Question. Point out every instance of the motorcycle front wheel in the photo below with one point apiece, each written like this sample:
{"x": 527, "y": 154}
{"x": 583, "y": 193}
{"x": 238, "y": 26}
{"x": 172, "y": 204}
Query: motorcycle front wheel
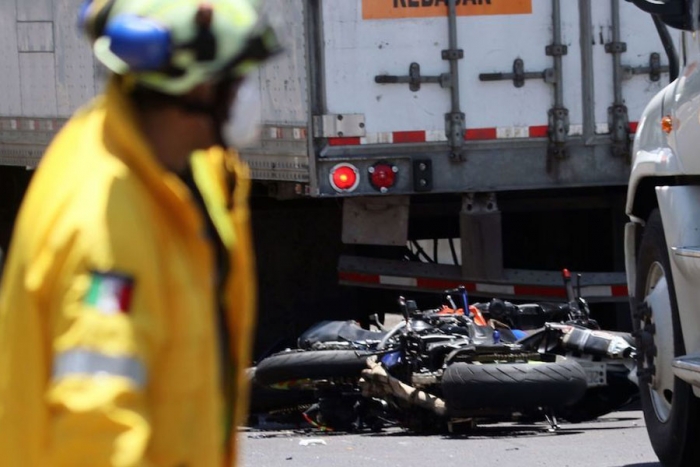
{"x": 470, "y": 387}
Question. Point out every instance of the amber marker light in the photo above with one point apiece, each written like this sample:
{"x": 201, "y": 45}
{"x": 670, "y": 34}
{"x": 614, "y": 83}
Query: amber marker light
{"x": 667, "y": 124}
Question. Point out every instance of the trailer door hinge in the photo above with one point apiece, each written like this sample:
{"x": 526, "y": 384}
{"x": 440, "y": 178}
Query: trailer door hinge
{"x": 558, "y": 131}
{"x": 455, "y": 126}
{"x": 616, "y": 47}
{"x": 452, "y": 54}
{"x": 340, "y": 125}
{"x": 556, "y": 50}
{"x": 618, "y": 121}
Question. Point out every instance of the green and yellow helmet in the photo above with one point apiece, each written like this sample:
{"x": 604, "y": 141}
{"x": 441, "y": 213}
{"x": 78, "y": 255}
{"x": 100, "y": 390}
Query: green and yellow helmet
{"x": 171, "y": 46}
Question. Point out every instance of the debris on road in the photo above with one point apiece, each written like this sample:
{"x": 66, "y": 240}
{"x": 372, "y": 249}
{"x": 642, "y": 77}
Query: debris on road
{"x": 312, "y": 442}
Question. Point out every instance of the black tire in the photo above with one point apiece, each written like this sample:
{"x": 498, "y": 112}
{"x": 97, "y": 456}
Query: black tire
{"x": 267, "y": 399}
{"x": 294, "y": 365}
{"x": 512, "y": 386}
{"x": 671, "y": 411}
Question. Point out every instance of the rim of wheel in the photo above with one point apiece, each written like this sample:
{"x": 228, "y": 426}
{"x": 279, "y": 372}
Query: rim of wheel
{"x": 657, "y": 296}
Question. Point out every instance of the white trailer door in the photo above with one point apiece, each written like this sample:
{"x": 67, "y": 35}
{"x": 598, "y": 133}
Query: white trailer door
{"x": 367, "y": 38}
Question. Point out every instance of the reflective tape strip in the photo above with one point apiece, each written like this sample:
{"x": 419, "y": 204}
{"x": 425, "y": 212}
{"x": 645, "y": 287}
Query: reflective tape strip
{"x": 90, "y": 363}
{"x": 496, "y": 289}
{"x": 575, "y": 130}
{"x": 602, "y": 128}
{"x": 395, "y": 280}
{"x": 525, "y": 290}
{"x": 490, "y": 133}
{"x": 31, "y": 124}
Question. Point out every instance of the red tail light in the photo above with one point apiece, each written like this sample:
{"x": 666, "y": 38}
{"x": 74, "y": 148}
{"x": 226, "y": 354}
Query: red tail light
{"x": 344, "y": 177}
{"x": 382, "y": 176}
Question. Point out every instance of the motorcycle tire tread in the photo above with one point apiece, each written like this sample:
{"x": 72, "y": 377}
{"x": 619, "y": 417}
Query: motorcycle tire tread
{"x": 468, "y": 386}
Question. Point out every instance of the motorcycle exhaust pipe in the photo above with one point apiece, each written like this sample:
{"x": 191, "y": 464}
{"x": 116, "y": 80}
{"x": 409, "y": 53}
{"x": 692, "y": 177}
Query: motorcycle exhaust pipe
{"x": 597, "y": 343}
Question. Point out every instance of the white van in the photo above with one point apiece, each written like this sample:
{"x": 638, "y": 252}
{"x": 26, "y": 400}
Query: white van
{"x": 662, "y": 247}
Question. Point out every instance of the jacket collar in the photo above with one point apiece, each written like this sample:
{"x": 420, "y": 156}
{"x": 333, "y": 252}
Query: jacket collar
{"x": 125, "y": 141}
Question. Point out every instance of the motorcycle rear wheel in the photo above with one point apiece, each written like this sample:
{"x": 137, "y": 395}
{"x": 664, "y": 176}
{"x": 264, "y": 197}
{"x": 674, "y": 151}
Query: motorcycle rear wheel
{"x": 267, "y": 399}
{"x": 469, "y": 387}
{"x": 296, "y": 365}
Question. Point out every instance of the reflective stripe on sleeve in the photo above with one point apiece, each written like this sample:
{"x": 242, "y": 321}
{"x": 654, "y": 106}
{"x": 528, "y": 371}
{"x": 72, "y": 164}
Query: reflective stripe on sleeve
{"x": 95, "y": 364}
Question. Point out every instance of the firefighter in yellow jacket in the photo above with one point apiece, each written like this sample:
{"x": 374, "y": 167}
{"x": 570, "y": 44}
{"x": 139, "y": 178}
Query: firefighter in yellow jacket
{"x": 126, "y": 307}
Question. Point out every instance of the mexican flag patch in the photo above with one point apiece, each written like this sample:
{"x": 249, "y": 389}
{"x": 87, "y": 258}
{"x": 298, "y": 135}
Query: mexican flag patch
{"x": 110, "y": 293}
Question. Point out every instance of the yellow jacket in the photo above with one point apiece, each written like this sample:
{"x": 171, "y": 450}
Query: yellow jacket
{"x": 109, "y": 346}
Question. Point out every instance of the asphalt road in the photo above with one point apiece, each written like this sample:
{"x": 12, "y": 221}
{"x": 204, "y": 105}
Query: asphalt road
{"x": 615, "y": 440}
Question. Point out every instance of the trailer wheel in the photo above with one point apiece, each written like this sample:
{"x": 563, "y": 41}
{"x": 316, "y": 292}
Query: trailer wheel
{"x": 671, "y": 411}
{"x": 498, "y": 386}
{"x": 294, "y": 365}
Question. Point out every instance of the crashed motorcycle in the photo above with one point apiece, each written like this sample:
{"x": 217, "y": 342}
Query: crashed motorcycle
{"x": 456, "y": 366}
